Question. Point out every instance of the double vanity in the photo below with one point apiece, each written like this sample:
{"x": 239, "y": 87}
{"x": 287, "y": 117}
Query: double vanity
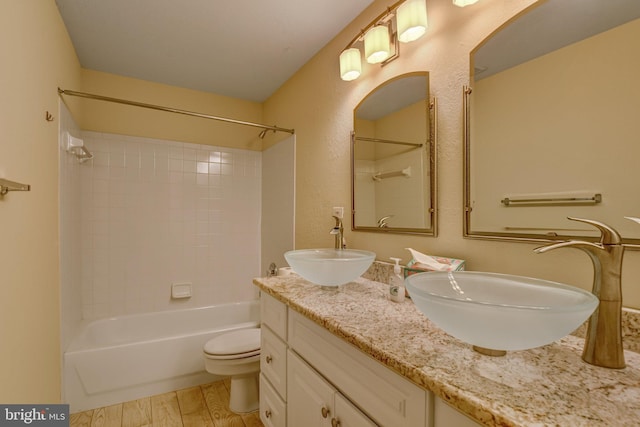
{"x": 349, "y": 356}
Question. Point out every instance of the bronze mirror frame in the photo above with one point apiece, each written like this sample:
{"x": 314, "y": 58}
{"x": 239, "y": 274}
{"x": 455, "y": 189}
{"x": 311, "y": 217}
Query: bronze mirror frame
{"x": 530, "y": 234}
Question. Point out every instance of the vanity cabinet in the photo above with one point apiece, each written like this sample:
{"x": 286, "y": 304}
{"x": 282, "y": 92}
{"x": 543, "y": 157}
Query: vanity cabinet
{"x": 310, "y": 377}
{"x": 386, "y": 397}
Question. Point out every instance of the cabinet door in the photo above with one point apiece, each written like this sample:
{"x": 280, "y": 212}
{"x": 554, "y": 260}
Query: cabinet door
{"x": 310, "y": 397}
{"x": 273, "y": 410}
{"x": 445, "y": 415}
{"x": 348, "y": 415}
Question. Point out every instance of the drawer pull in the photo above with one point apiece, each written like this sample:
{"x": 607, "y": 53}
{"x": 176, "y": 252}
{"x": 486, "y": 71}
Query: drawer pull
{"x": 268, "y": 359}
{"x": 325, "y": 412}
{"x": 335, "y": 422}
{"x": 267, "y": 413}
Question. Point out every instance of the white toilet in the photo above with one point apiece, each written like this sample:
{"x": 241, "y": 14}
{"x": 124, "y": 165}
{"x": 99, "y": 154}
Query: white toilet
{"x": 237, "y": 354}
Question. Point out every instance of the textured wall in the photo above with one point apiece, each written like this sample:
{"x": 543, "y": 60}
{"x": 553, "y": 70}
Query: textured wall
{"x": 320, "y": 107}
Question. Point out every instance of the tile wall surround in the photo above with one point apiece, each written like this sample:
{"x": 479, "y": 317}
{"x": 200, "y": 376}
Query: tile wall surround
{"x": 155, "y": 212}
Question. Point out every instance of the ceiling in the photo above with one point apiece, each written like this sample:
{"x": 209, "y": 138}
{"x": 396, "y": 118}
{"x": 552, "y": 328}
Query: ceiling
{"x": 244, "y": 49}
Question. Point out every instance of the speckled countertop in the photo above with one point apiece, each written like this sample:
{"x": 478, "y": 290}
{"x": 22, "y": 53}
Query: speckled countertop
{"x": 550, "y": 385}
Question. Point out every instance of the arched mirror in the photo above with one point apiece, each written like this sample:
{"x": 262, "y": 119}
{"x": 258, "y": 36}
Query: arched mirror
{"x": 551, "y": 123}
{"x": 393, "y": 158}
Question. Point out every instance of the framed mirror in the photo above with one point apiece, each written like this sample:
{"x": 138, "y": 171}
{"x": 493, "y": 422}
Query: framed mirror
{"x": 550, "y": 123}
{"x": 393, "y": 158}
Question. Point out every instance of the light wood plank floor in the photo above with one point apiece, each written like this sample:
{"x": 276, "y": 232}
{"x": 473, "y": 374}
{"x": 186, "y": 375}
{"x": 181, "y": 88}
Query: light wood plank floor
{"x": 202, "y": 406}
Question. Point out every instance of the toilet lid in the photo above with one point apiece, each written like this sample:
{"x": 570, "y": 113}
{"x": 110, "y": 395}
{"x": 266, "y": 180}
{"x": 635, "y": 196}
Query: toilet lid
{"x": 237, "y": 342}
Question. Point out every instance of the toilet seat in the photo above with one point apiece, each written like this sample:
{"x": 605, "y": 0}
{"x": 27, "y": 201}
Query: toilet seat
{"x": 238, "y": 344}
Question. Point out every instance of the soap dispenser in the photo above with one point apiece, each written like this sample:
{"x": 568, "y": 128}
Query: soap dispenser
{"x": 396, "y": 282}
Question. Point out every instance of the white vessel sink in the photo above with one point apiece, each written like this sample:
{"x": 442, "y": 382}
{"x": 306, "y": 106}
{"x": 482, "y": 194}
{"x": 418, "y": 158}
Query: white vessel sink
{"x": 498, "y": 311}
{"x": 329, "y": 267}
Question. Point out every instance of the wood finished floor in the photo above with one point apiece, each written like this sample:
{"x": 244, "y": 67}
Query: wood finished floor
{"x": 203, "y": 406}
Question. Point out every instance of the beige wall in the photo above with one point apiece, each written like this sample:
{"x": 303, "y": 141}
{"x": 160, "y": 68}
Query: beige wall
{"x": 319, "y": 106}
{"x": 103, "y": 116}
{"x": 37, "y": 57}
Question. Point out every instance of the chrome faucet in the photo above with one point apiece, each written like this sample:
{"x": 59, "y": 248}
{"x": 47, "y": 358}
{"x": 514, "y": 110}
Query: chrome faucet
{"x": 603, "y": 343}
{"x": 338, "y": 231}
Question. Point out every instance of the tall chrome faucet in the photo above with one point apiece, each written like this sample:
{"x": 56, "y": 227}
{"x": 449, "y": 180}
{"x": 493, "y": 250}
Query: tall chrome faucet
{"x": 338, "y": 231}
{"x": 603, "y": 344}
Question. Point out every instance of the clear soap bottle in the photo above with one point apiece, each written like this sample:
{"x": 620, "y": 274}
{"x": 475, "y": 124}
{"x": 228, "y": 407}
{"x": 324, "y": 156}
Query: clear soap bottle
{"x": 396, "y": 282}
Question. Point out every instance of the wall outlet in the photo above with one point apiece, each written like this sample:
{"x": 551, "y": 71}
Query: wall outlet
{"x": 338, "y": 212}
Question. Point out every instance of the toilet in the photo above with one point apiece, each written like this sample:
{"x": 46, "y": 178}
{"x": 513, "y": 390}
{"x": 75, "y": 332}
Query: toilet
{"x": 237, "y": 354}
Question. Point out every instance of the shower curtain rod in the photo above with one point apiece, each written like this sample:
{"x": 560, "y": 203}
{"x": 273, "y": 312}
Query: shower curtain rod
{"x": 175, "y": 110}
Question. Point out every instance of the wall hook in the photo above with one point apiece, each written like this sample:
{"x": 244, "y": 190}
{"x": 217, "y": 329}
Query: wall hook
{"x": 48, "y": 116}
{"x": 6, "y": 186}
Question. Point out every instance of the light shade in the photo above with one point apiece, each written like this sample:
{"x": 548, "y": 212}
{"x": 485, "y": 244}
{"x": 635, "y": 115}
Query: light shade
{"x": 350, "y": 64}
{"x": 411, "y": 18}
{"x": 463, "y": 3}
{"x": 376, "y": 44}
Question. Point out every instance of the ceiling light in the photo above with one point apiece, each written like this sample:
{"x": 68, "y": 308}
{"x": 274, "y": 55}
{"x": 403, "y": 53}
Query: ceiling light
{"x": 376, "y": 44}
{"x": 350, "y": 65}
{"x": 463, "y": 3}
{"x": 380, "y": 35}
{"x": 411, "y": 19}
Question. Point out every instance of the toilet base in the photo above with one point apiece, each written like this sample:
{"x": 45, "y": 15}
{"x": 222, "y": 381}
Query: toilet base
{"x": 244, "y": 394}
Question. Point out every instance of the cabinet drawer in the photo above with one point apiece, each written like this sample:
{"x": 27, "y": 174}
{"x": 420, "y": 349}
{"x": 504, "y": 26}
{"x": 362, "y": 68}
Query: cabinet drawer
{"x": 273, "y": 313}
{"x": 382, "y": 394}
{"x": 273, "y": 360}
{"x": 273, "y": 411}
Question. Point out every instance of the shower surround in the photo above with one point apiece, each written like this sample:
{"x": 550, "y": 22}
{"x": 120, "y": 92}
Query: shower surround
{"x": 146, "y": 213}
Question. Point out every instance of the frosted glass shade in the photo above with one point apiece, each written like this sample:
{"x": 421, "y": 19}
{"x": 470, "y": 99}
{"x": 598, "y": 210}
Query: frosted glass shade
{"x": 411, "y": 18}
{"x": 330, "y": 267}
{"x": 463, "y": 3}
{"x": 350, "y": 65}
{"x": 500, "y": 311}
{"x": 376, "y": 44}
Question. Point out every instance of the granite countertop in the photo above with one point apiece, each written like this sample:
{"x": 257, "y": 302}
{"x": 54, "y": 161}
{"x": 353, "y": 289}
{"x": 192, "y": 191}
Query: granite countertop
{"x": 549, "y": 385}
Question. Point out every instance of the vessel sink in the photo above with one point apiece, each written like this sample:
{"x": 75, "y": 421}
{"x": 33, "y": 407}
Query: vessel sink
{"x": 329, "y": 267}
{"x": 497, "y": 311}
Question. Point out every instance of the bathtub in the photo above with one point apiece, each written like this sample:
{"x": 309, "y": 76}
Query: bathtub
{"x": 125, "y": 358}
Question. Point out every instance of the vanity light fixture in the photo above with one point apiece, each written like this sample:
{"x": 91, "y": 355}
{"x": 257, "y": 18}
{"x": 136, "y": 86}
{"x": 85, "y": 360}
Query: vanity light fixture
{"x": 350, "y": 65}
{"x": 463, "y": 3}
{"x": 380, "y": 38}
{"x": 376, "y": 44}
{"x": 411, "y": 19}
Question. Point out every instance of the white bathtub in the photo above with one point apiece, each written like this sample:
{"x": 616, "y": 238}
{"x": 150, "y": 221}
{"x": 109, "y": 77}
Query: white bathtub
{"x": 125, "y": 358}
